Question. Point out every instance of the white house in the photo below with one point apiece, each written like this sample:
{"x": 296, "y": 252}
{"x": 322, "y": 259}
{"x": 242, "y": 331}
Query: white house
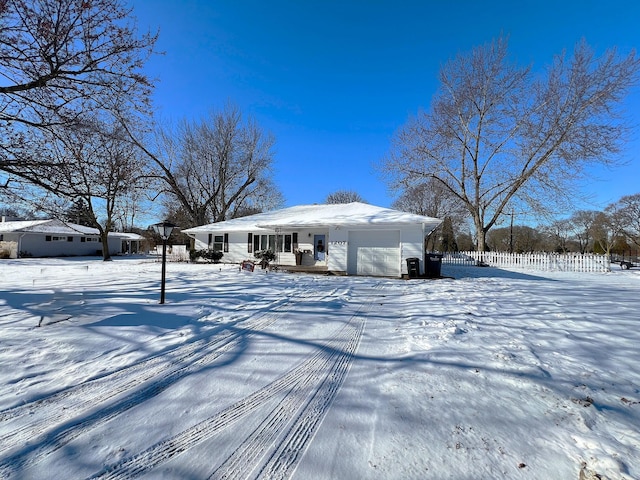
{"x": 54, "y": 238}
{"x": 353, "y": 238}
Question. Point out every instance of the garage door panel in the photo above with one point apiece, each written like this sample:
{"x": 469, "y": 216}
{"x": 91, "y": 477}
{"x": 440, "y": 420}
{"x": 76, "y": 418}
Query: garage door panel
{"x": 374, "y": 252}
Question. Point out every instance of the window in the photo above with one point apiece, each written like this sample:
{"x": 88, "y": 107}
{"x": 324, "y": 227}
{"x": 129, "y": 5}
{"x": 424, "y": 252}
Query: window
{"x": 50, "y": 238}
{"x": 218, "y": 241}
{"x": 276, "y": 243}
{"x": 283, "y": 243}
{"x": 69, "y": 239}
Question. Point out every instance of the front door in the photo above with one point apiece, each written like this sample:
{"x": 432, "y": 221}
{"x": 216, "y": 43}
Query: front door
{"x": 319, "y": 247}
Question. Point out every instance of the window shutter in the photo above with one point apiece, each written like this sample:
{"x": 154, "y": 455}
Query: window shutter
{"x": 225, "y": 246}
{"x": 250, "y": 243}
{"x": 82, "y": 239}
{"x": 69, "y": 239}
{"x": 47, "y": 238}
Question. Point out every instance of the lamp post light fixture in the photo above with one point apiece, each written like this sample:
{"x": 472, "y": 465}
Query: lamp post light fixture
{"x": 163, "y": 229}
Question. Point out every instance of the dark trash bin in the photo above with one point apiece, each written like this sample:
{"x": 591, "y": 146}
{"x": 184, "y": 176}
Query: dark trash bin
{"x": 433, "y": 265}
{"x": 413, "y": 267}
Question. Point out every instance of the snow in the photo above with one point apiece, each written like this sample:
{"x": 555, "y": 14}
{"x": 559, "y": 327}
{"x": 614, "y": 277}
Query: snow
{"x": 336, "y": 215}
{"x": 54, "y": 226}
{"x": 489, "y": 374}
{"x": 20, "y": 225}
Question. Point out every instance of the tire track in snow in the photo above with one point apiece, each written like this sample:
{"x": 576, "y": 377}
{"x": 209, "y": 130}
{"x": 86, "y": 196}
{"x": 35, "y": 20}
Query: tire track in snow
{"x": 59, "y": 437}
{"x": 110, "y": 384}
{"x": 58, "y": 408}
{"x": 128, "y": 377}
{"x": 284, "y": 461}
{"x": 301, "y": 411}
{"x": 338, "y": 351}
{"x": 39, "y": 448}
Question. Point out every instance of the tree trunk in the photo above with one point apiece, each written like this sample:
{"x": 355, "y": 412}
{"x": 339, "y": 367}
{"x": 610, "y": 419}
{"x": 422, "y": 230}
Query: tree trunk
{"x": 106, "y": 255}
{"x": 481, "y": 234}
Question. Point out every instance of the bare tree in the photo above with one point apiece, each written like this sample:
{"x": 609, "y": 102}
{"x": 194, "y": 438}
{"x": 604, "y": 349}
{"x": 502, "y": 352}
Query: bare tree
{"x": 519, "y": 239}
{"x": 582, "y": 223}
{"x": 625, "y": 214}
{"x": 604, "y": 232}
{"x": 216, "y": 168}
{"x": 559, "y": 233}
{"x": 60, "y": 59}
{"x": 498, "y": 239}
{"x": 431, "y": 199}
{"x": 496, "y": 135}
{"x": 344, "y": 196}
{"x": 91, "y": 166}
{"x": 448, "y": 236}
{"x": 133, "y": 203}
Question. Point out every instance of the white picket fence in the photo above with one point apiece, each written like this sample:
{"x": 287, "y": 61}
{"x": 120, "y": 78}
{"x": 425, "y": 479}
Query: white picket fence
{"x": 565, "y": 262}
{"x": 175, "y": 253}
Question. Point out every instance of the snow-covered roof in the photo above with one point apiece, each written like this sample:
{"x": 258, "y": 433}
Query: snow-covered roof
{"x": 127, "y": 235}
{"x": 302, "y": 216}
{"x": 58, "y": 227}
{"x": 21, "y": 225}
{"x": 46, "y": 226}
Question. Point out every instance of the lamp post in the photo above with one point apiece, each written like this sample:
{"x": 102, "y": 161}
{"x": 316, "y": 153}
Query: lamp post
{"x": 164, "y": 230}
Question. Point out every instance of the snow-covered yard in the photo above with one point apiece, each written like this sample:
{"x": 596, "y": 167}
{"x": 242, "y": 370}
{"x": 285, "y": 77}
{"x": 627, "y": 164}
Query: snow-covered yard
{"x": 491, "y": 374}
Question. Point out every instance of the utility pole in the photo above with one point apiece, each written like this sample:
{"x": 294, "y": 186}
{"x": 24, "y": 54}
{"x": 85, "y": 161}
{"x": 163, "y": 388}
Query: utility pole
{"x": 511, "y": 233}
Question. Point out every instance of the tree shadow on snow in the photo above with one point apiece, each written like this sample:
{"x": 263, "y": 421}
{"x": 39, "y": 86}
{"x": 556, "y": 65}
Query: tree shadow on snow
{"x": 459, "y": 272}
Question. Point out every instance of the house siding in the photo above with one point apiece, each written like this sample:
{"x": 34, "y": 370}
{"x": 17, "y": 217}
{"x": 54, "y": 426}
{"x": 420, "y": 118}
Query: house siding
{"x": 411, "y": 246}
{"x": 38, "y": 246}
{"x": 338, "y": 243}
{"x": 238, "y": 245}
{"x": 382, "y": 238}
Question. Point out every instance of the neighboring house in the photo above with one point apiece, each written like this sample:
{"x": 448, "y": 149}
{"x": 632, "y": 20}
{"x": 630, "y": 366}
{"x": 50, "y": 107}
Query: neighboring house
{"x": 54, "y": 238}
{"x": 131, "y": 242}
{"x": 352, "y": 238}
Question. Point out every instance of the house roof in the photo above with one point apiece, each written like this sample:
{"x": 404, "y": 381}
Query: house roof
{"x": 21, "y": 226}
{"x": 45, "y": 226}
{"x": 346, "y": 214}
{"x": 127, "y": 235}
{"x": 55, "y": 226}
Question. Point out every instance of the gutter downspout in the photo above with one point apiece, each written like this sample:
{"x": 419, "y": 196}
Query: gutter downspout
{"x": 20, "y": 244}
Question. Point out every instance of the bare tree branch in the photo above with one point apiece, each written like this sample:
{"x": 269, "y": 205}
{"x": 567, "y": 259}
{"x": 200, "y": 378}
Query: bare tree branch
{"x": 496, "y": 134}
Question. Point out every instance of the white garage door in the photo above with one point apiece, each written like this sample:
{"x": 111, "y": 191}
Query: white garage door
{"x": 374, "y": 252}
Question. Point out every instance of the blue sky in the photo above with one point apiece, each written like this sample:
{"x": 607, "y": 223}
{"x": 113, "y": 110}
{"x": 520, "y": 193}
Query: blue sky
{"x": 333, "y": 80}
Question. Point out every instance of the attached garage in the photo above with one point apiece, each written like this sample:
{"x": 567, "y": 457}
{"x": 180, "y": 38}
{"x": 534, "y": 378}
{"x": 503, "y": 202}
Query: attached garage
{"x": 374, "y": 253}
